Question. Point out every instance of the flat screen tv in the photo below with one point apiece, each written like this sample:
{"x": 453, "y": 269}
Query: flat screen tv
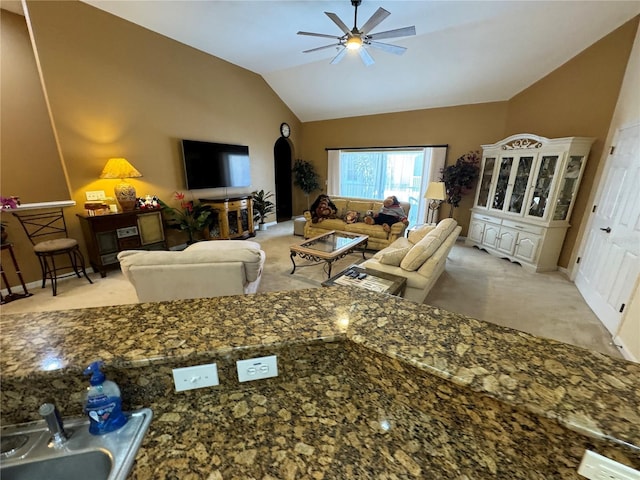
{"x": 214, "y": 165}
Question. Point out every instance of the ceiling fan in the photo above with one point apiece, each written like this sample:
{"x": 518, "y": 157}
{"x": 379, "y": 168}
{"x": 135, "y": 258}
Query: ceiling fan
{"x": 358, "y": 39}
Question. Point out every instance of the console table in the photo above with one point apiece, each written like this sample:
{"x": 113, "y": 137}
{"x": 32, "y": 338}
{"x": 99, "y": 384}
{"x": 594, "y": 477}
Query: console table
{"x": 232, "y": 217}
{"x": 109, "y": 234}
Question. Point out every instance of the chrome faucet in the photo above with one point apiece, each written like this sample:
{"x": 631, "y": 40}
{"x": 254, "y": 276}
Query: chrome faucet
{"x": 50, "y": 413}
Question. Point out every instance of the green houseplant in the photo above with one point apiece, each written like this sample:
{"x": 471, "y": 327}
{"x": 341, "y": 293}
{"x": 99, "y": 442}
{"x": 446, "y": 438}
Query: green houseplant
{"x": 192, "y": 216}
{"x": 305, "y": 177}
{"x": 460, "y": 177}
{"x": 262, "y": 206}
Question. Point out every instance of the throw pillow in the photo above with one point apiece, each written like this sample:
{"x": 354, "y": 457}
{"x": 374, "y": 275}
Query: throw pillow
{"x": 419, "y": 233}
{"x": 420, "y": 252}
{"x": 394, "y": 253}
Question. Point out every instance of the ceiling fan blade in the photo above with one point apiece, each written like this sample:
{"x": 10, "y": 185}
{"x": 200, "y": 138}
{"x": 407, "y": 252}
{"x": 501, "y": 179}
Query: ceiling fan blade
{"x": 339, "y": 56}
{"x": 375, "y": 20}
{"x": 338, "y": 22}
{"x": 398, "y": 32}
{"x": 323, "y": 35}
{"x": 321, "y": 48}
{"x": 387, "y": 47}
{"x": 367, "y": 59}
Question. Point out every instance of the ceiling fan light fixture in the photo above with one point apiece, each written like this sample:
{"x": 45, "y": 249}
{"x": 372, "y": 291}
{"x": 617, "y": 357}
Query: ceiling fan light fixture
{"x": 354, "y": 43}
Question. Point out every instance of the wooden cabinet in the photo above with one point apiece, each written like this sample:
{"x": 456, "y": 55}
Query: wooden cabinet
{"x": 107, "y": 235}
{"x": 525, "y": 197}
{"x": 232, "y": 217}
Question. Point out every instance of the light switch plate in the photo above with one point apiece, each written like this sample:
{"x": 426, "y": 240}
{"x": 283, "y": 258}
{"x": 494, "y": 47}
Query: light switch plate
{"x": 596, "y": 467}
{"x": 95, "y": 195}
{"x": 200, "y": 376}
{"x": 257, "y": 368}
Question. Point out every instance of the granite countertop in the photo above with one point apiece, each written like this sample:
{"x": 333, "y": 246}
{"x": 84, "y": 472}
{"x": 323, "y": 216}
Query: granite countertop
{"x": 583, "y": 391}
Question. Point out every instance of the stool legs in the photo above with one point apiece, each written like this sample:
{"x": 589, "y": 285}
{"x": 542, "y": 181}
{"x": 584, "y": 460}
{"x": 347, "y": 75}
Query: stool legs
{"x": 50, "y": 271}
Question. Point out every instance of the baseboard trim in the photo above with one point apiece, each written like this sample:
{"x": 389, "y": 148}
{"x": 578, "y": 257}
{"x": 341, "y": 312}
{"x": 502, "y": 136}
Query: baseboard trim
{"x": 620, "y": 345}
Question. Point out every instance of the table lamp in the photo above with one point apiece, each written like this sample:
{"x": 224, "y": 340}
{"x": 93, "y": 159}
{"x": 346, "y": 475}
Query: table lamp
{"x": 125, "y": 192}
{"x": 437, "y": 193}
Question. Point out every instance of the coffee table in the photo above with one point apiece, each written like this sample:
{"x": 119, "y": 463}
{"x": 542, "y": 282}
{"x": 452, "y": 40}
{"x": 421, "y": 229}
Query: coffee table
{"x": 328, "y": 248}
{"x": 375, "y": 281}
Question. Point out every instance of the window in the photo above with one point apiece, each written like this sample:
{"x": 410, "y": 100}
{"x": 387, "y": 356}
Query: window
{"x": 379, "y": 173}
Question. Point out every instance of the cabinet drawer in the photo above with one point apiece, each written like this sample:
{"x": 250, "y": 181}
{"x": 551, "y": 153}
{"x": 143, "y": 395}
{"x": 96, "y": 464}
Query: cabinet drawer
{"x": 127, "y": 232}
{"x": 109, "y": 258}
{"x": 487, "y": 218}
{"x": 523, "y": 227}
{"x": 129, "y": 243}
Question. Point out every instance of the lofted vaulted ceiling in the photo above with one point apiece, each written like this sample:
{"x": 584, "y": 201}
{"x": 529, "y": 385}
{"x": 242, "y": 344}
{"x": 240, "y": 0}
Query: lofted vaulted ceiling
{"x": 464, "y": 52}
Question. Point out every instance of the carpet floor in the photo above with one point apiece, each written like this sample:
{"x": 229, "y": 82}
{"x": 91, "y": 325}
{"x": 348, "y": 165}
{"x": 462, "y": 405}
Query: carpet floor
{"x": 475, "y": 284}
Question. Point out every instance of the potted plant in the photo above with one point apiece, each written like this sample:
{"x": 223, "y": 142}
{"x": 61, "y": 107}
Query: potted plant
{"x": 306, "y": 177}
{"x": 460, "y": 177}
{"x": 262, "y": 207}
{"x": 192, "y": 216}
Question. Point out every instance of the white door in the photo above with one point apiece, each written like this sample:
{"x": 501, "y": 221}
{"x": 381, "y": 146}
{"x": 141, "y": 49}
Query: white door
{"x": 610, "y": 263}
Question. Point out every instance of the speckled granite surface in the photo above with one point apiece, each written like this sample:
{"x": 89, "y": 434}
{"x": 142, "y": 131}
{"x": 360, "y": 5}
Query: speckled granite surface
{"x": 369, "y": 387}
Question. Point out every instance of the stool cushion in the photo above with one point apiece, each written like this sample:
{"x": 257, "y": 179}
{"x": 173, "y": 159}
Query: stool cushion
{"x": 55, "y": 245}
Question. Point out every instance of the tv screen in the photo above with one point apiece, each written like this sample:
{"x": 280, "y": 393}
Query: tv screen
{"x": 214, "y": 165}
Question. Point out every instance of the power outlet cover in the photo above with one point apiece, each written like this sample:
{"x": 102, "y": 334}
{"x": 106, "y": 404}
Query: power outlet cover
{"x": 200, "y": 376}
{"x": 596, "y": 467}
{"x": 257, "y": 368}
{"x": 95, "y": 195}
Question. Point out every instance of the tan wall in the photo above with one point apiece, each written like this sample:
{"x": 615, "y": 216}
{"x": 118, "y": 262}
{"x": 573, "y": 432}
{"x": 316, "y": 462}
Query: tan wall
{"x": 577, "y": 99}
{"x": 463, "y": 128}
{"x": 120, "y": 90}
{"x": 30, "y": 164}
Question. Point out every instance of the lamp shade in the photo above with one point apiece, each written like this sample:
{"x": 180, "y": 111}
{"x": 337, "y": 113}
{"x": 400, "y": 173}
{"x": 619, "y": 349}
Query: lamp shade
{"x": 125, "y": 192}
{"x": 119, "y": 168}
{"x": 436, "y": 191}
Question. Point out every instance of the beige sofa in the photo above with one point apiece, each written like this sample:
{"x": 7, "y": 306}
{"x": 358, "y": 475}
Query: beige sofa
{"x": 420, "y": 258}
{"x": 202, "y": 270}
{"x": 378, "y": 238}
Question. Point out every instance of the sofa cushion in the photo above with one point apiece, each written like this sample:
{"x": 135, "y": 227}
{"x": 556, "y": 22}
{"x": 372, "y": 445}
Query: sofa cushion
{"x": 360, "y": 205}
{"x": 426, "y": 247}
{"x": 419, "y": 233}
{"x": 374, "y": 231}
{"x": 331, "y": 224}
{"x": 394, "y": 253}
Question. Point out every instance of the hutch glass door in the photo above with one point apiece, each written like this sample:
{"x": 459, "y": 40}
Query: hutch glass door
{"x": 502, "y": 183}
{"x": 568, "y": 187}
{"x": 485, "y": 182}
{"x": 542, "y": 187}
{"x": 520, "y": 182}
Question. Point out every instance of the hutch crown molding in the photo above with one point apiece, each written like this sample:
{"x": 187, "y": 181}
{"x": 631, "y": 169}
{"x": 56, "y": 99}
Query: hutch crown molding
{"x": 525, "y": 197}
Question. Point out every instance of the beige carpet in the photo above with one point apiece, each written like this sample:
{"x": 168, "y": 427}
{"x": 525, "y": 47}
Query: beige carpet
{"x": 474, "y": 283}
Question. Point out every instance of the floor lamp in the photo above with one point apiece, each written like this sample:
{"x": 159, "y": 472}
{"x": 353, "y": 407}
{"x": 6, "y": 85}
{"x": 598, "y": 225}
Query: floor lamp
{"x": 437, "y": 193}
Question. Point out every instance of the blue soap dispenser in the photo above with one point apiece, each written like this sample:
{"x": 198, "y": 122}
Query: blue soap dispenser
{"x": 103, "y": 403}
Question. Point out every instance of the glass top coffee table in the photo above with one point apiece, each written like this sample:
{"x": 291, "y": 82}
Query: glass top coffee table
{"x": 328, "y": 248}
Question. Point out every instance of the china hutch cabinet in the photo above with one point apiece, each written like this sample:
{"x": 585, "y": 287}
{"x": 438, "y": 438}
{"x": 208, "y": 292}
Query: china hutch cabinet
{"x": 525, "y": 196}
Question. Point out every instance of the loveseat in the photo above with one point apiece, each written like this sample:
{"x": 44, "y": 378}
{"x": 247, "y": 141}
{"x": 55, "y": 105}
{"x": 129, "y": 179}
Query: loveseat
{"x": 378, "y": 238}
{"x": 202, "y": 270}
{"x": 420, "y": 258}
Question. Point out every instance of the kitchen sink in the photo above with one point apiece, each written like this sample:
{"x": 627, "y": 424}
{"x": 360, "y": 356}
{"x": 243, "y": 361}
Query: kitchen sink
{"x": 27, "y": 450}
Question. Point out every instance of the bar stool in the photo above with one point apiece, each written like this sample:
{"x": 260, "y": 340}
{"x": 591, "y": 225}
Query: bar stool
{"x": 47, "y": 232}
